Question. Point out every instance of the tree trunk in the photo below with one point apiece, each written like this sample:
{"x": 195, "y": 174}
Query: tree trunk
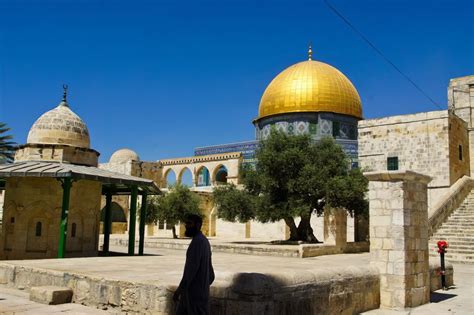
{"x": 173, "y": 229}
{"x": 290, "y": 222}
{"x": 305, "y": 231}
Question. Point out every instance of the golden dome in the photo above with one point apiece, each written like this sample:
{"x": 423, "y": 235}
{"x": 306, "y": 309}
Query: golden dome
{"x": 124, "y": 155}
{"x": 310, "y": 86}
{"x": 60, "y": 126}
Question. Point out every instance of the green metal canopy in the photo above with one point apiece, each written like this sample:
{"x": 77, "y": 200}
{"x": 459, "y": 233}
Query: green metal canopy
{"x": 112, "y": 184}
{"x": 111, "y": 181}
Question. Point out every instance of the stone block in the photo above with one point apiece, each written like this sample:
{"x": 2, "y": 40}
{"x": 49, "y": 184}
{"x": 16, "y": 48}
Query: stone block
{"x": 51, "y": 295}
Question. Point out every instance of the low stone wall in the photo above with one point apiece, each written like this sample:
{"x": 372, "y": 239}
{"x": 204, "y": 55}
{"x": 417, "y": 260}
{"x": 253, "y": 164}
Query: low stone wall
{"x": 448, "y": 203}
{"x": 341, "y": 291}
{"x": 313, "y": 250}
{"x": 347, "y": 290}
{"x": 435, "y": 276}
{"x": 254, "y": 248}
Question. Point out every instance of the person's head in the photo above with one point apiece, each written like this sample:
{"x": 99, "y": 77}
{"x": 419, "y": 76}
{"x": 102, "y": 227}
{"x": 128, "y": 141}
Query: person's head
{"x": 193, "y": 225}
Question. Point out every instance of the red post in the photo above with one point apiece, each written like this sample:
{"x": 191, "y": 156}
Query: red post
{"x": 442, "y": 249}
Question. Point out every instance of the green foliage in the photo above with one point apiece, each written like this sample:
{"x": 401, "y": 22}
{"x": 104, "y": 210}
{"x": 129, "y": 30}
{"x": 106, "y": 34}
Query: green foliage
{"x": 293, "y": 177}
{"x": 234, "y": 204}
{"x": 152, "y": 210}
{"x": 177, "y": 204}
{"x": 7, "y": 147}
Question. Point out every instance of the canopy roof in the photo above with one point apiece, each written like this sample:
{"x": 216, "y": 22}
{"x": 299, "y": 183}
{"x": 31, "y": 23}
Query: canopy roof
{"x": 113, "y": 182}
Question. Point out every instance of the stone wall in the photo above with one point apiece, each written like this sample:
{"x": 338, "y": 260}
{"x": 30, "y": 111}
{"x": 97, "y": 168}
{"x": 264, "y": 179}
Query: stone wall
{"x": 32, "y": 216}
{"x": 56, "y": 152}
{"x": 461, "y": 101}
{"x": 425, "y": 142}
{"x": 459, "y": 151}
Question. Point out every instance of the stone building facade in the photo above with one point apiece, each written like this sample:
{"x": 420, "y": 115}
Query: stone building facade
{"x": 32, "y": 206}
{"x": 126, "y": 161}
{"x": 52, "y": 191}
{"x": 32, "y": 213}
{"x": 461, "y": 102}
{"x": 432, "y": 143}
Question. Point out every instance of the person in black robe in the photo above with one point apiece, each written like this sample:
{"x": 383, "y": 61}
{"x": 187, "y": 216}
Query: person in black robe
{"x": 192, "y": 294}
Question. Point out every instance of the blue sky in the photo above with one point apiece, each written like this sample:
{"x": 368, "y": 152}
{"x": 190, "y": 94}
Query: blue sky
{"x": 164, "y": 77}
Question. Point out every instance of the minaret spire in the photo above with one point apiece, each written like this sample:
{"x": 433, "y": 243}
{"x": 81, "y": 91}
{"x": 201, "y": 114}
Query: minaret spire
{"x": 310, "y": 52}
{"x": 64, "y": 100}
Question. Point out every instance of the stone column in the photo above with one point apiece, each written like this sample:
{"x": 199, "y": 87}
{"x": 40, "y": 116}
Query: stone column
{"x": 335, "y": 227}
{"x": 399, "y": 237}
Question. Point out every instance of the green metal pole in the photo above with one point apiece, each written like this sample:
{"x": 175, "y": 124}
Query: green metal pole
{"x": 64, "y": 215}
{"x": 133, "y": 219}
{"x": 141, "y": 242}
{"x": 107, "y": 222}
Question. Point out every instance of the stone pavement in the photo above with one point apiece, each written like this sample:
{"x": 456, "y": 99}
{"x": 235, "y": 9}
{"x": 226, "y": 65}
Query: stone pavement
{"x": 165, "y": 266}
{"x": 16, "y": 302}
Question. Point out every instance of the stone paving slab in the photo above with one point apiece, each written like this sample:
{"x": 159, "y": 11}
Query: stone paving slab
{"x": 165, "y": 266}
{"x": 16, "y": 302}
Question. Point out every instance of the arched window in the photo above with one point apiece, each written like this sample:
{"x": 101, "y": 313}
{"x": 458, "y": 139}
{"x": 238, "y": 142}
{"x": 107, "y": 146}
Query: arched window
{"x": 73, "y": 230}
{"x": 221, "y": 175}
{"x": 186, "y": 178}
{"x": 203, "y": 177}
{"x": 170, "y": 178}
{"x": 38, "y": 229}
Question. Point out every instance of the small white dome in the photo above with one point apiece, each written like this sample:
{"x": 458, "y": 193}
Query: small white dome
{"x": 123, "y": 156}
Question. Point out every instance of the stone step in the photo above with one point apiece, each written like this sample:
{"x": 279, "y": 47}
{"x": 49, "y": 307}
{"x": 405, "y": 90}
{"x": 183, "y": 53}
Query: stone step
{"x": 452, "y": 229}
{"x": 460, "y": 224}
{"x": 452, "y": 250}
{"x": 463, "y": 211}
{"x": 457, "y": 225}
{"x": 451, "y": 235}
{"x": 461, "y": 216}
{"x": 457, "y": 239}
{"x": 51, "y": 295}
{"x": 453, "y": 247}
{"x": 469, "y": 231}
{"x": 461, "y": 219}
{"x": 457, "y": 229}
{"x": 467, "y": 258}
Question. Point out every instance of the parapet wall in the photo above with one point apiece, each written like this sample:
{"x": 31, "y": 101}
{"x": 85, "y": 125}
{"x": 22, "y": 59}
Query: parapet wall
{"x": 347, "y": 290}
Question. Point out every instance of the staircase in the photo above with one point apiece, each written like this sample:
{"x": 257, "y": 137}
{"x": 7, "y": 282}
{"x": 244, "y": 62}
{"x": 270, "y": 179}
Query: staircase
{"x": 458, "y": 231}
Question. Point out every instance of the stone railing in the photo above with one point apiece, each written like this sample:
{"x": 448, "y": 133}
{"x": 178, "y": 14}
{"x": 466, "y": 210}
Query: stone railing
{"x": 449, "y": 202}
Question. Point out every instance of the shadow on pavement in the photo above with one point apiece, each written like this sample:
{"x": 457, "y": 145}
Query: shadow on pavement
{"x": 437, "y": 297}
{"x": 115, "y": 254}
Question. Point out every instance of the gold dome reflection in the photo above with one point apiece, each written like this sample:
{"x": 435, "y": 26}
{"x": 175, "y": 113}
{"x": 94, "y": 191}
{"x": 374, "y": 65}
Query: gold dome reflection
{"x": 310, "y": 86}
